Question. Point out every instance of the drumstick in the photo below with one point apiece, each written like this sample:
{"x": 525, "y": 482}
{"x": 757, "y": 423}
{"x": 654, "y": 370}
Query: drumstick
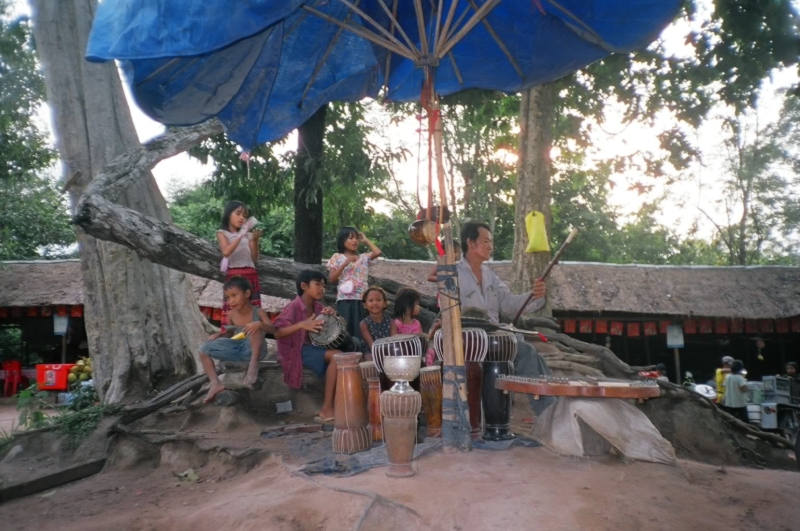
{"x": 547, "y": 270}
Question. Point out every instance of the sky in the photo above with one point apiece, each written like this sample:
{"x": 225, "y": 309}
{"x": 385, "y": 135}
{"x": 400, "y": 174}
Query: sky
{"x": 698, "y": 187}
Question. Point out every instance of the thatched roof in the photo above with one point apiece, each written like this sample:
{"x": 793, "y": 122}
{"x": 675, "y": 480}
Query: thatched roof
{"x": 575, "y": 287}
{"x": 59, "y": 282}
{"x": 758, "y": 292}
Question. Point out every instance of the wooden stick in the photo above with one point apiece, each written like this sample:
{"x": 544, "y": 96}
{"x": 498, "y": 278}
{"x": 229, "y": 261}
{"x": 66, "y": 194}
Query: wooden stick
{"x": 547, "y": 270}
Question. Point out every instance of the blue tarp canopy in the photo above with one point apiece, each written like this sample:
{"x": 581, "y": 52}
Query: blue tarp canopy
{"x": 262, "y": 67}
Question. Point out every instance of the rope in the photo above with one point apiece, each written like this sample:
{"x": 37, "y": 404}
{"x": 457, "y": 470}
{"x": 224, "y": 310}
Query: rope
{"x": 457, "y": 432}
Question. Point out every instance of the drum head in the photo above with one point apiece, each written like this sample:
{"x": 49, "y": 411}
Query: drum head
{"x": 333, "y": 330}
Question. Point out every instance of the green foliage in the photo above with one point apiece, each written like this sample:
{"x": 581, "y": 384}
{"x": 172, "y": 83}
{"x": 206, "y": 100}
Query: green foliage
{"x": 34, "y": 220}
{"x": 33, "y": 406}
{"x": 10, "y": 343}
{"x": 77, "y": 425}
{"x": 761, "y": 209}
{"x": 83, "y": 396}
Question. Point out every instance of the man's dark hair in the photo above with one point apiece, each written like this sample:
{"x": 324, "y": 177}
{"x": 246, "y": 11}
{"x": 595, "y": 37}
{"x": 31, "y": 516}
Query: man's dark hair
{"x": 470, "y": 231}
{"x": 306, "y": 276}
{"x": 661, "y": 367}
{"x": 237, "y": 282}
{"x": 344, "y": 235}
{"x": 737, "y": 366}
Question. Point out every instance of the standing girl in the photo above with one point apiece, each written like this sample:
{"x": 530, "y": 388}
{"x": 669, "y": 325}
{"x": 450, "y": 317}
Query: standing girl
{"x": 406, "y": 308}
{"x": 351, "y": 271}
{"x": 239, "y": 247}
{"x": 376, "y": 324}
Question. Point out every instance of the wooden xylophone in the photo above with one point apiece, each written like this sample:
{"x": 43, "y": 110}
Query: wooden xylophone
{"x": 580, "y": 387}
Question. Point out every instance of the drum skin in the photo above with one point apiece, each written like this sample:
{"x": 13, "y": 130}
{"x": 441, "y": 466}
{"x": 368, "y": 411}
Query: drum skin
{"x": 333, "y": 334}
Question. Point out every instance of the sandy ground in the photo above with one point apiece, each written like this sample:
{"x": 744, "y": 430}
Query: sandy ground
{"x": 523, "y": 488}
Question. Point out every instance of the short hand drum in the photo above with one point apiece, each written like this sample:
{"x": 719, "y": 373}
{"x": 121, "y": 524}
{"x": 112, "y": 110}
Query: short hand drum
{"x": 333, "y": 334}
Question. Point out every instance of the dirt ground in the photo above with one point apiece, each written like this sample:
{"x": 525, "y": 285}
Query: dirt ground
{"x": 522, "y": 488}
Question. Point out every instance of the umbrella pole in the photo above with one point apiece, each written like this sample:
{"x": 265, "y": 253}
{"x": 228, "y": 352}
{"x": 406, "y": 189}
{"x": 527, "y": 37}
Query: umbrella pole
{"x": 455, "y": 412}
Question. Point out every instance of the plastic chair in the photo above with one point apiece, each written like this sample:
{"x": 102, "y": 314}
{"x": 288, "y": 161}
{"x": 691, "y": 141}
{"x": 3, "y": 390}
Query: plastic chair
{"x": 13, "y": 370}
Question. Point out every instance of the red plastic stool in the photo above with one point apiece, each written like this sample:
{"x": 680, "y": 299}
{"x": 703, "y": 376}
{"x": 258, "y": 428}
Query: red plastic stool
{"x": 13, "y": 370}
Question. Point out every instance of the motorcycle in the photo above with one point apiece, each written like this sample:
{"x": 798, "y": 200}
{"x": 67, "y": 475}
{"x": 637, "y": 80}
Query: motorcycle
{"x": 706, "y": 391}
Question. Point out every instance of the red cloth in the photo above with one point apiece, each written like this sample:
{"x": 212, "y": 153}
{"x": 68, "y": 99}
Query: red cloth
{"x": 290, "y": 347}
{"x": 249, "y": 274}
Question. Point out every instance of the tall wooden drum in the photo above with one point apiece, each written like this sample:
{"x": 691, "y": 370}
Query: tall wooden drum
{"x": 374, "y": 408}
{"x": 399, "y": 411}
{"x": 351, "y": 431}
{"x": 430, "y": 383}
{"x": 476, "y": 345}
{"x": 496, "y": 403}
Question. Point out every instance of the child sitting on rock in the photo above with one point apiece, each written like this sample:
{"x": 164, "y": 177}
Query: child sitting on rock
{"x": 245, "y": 319}
{"x": 295, "y": 350}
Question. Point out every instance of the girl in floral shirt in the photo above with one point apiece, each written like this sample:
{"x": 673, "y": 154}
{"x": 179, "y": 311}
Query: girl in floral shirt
{"x": 351, "y": 271}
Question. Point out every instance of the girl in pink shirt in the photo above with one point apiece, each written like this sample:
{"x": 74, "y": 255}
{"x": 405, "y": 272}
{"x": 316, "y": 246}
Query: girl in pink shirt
{"x": 406, "y": 308}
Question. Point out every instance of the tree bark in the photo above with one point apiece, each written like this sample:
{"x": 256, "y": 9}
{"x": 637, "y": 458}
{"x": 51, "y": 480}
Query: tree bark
{"x": 308, "y": 208}
{"x": 142, "y": 320}
{"x": 536, "y": 120}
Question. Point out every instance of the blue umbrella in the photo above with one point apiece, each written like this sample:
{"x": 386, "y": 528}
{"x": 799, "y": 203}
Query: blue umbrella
{"x": 264, "y": 66}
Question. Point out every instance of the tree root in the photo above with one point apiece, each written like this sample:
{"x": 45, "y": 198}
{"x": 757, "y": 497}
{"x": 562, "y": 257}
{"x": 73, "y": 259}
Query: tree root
{"x": 748, "y": 429}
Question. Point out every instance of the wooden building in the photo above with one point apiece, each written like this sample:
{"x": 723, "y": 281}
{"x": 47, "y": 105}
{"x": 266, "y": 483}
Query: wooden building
{"x": 750, "y": 313}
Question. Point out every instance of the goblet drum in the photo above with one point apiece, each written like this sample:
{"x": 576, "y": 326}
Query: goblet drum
{"x": 401, "y": 370}
{"x": 401, "y": 345}
{"x": 368, "y": 370}
{"x": 497, "y": 403}
{"x": 476, "y": 345}
{"x": 333, "y": 333}
{"x": 351, "y": 432}
{"x": 399, "y": 411}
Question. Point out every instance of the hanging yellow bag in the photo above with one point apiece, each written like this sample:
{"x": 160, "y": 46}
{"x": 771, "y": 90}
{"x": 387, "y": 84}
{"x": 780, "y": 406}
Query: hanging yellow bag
{"x": 537, "y": 234}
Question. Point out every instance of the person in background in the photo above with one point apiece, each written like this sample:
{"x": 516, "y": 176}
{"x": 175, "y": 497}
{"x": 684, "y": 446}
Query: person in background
{"x": 661, "y": 369}
{"x": 719, "y": 378}
{"x": 406, "y": 309}
{"x": 350, "y": 272}
{"x": 480, "y": 287}
{"x": 377, "y": 324}
{"x": 791, "y": 371}
{"x": 242, "y": 317}
{"x": 735, "y": 399}
{"x": 239, "y": 247}
{"x": 295, "y": 350}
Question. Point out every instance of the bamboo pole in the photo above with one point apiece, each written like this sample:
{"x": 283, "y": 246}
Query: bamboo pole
{"x": 453, "y": 353}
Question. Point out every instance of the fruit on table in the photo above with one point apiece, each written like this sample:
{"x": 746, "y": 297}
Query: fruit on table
{"x": 72, "y": 377}
{"x": 83, "y": 377}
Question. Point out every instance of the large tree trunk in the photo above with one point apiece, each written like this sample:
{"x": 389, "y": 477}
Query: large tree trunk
{"x": 536, "y": 119}
{"x": 142, "y": 320}
{"x": 307, "y": 189}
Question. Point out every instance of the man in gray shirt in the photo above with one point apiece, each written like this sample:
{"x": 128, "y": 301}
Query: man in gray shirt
{"x": 480, "y": 287}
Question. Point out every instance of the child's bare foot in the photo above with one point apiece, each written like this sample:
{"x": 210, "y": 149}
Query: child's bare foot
{"x": 213, "y": 391}
{"x": 324, "y": 415}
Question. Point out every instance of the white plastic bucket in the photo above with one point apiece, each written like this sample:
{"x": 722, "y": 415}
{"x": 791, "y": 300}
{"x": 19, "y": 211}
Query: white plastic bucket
{"x": 754, "y": 413}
